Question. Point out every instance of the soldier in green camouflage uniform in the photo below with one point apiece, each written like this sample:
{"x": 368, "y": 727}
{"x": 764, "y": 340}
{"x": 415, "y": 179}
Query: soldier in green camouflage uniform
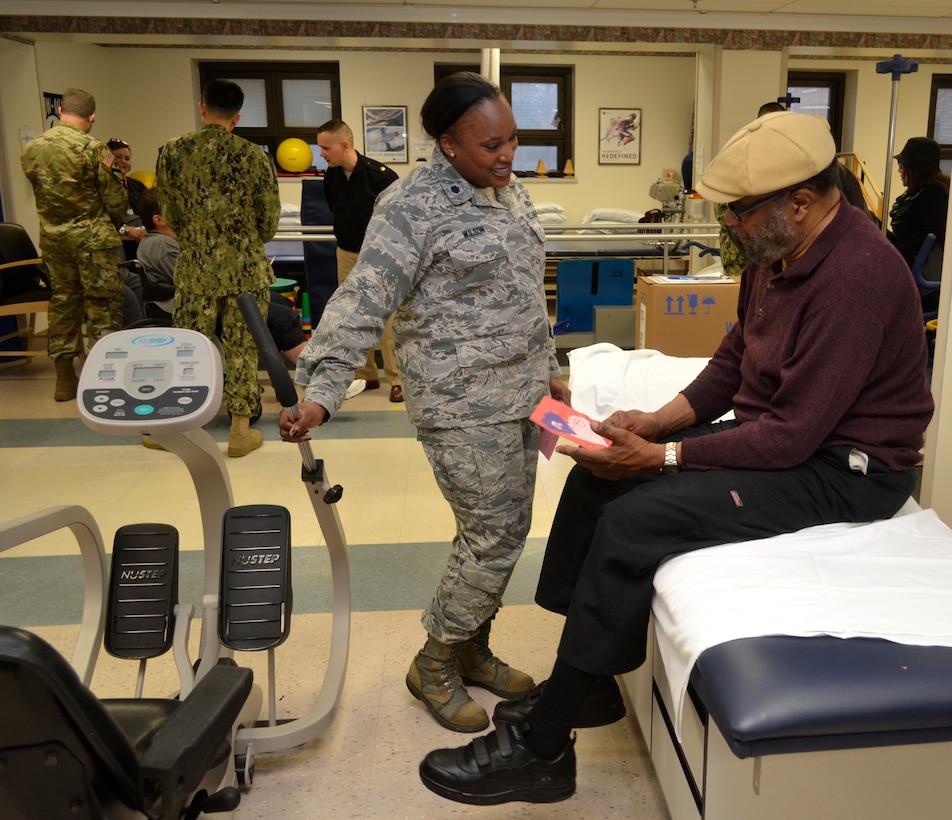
{"x": 219, "y": 193}
{"x": 456, "y": 253}
{"x": 81, "y": 202}
{"x": 732, "y": 257}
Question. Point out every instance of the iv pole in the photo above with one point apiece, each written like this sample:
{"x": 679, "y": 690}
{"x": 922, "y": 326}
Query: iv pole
{"x": 897, "y": 67}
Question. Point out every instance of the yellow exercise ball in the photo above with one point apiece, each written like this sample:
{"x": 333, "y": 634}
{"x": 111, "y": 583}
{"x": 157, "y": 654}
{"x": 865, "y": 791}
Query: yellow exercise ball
{"x": 294, "y": 155}
{"x": 147, "y": 178}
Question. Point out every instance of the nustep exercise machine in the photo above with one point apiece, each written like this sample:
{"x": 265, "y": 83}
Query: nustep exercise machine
{"x": 167, "y": 383}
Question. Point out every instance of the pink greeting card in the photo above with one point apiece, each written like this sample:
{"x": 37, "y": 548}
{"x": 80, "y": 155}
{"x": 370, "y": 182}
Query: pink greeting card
{"x": 558, "y": 420}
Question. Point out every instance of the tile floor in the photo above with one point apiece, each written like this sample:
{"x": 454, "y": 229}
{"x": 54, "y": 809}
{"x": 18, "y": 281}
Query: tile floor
{"x": 397, "y": 527}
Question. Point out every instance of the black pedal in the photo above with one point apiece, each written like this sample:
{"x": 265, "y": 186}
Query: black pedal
{"x": 143, "y": 591}
{"x": 255, "y": 591}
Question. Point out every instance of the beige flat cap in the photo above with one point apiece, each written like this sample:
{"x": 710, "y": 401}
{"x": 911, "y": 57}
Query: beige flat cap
{"x": 769, "y": 154}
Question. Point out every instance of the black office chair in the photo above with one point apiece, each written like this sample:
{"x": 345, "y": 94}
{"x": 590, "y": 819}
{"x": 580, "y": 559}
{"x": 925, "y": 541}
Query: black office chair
{"x": 24, "y": 288}
{"x": 320, "y": 258}
{"x": 66, "y": 755}
{"x": 926, "y": 286}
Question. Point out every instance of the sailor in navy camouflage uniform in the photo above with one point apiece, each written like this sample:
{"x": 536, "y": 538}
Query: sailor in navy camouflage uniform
{"x": 456, "y": 253}
{"x": 219, "y": 193}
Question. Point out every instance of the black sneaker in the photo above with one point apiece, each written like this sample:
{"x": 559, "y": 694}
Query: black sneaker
{"x": 604, "y": 706}
{"x": 499, "y": 768}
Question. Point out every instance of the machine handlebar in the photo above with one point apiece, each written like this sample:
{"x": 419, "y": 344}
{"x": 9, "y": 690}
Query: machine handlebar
{"x": 270, "y": 356}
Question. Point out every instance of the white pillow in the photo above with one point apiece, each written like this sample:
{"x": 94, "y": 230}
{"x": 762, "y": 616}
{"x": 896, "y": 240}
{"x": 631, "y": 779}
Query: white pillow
{"x": 611, "y": 215}
{"x": 551, "y": 218}
{"x": 548, "y": 208}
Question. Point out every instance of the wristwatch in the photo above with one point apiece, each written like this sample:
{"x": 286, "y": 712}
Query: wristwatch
{"x": 671, "y": 458}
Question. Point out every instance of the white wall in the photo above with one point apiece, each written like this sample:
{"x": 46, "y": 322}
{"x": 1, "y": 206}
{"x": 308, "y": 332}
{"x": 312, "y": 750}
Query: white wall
{"x": 747, "y": 80}
{"x": 147, "y": 96}
{"x": 21, "y": 109}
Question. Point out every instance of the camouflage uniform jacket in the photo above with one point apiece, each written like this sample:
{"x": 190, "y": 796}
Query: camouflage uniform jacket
{"x": 219, "y": 193}
{"x": 80, "y": 197}
{"x": 732, "y": 257}
{"x": 464, "y": 274}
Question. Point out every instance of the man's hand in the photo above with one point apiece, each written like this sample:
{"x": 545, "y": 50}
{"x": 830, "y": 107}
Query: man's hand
{"x": 645, "y": 425}
{"x": 628, "y": 455}
{"x": 311, "y": 415}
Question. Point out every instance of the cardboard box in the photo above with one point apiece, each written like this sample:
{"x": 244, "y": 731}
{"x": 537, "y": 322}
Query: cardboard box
{"x": 685, "y": 317}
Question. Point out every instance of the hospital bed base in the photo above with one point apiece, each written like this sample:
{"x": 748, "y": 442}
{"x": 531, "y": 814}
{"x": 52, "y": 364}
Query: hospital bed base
{"x": 703, "y": 778}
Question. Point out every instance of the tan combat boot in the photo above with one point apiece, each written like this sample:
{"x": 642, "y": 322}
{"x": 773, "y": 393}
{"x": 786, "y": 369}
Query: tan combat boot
{"x": 66, "y": 380}
{"x": 479, "y": 667}
{"x": 434, "y": 680}
{"x": 241, "y": 439}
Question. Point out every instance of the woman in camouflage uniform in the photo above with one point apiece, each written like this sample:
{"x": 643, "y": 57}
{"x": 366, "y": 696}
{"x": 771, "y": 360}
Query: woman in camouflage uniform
{"x": 455, "y": 252}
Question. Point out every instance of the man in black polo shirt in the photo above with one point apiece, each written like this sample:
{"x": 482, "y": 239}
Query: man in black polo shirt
{"x": 351, "y": 184}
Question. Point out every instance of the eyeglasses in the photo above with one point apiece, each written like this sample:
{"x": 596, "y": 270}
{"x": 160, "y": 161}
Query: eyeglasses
{"x": 740, "y": 213}
{"x": 117, "y": 143}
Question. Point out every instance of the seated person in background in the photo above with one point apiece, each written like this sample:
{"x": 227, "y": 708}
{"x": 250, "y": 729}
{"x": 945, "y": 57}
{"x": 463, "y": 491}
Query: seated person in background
{"x": 825, "y": 371}
{"x": 123, "y": 154}
{"x": 157, "y": 254}
{"x": 131, "y": 232}
{"x": 921, "y": 209}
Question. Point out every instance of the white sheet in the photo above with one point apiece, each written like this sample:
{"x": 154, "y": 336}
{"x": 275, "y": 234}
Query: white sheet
{"x": 604, "y": 378}
{"x": 889, "y": 579}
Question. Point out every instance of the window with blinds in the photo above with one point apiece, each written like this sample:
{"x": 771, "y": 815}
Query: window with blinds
{"x": 940, "y": 118}
{"x": 282, "y": 100}
{"x": 541, "y": 100}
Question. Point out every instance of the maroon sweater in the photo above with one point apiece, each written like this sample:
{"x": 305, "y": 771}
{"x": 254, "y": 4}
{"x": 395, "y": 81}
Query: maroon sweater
{"x": 830, "y": 351}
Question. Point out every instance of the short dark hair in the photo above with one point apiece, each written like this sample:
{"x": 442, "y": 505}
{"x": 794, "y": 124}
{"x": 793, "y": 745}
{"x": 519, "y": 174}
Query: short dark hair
{"x": 77, "y": 102}
{"x": 148, "y": 207}
{"x": 451, "y": 98}
{"x": 337, "y": 128}
{"x": 770, "y": 108}
{"x": 223, "y": 97}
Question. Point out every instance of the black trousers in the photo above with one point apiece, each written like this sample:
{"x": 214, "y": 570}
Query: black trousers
{"x": 609, "y": 537}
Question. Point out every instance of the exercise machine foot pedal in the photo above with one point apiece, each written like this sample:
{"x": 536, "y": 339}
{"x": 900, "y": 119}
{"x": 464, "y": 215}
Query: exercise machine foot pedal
{"x": 255, "y": 594}
{"x": 143, "y": 591}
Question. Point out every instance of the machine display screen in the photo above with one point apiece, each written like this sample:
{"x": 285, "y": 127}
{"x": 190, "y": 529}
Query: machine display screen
{"x": 117, "y": 354}
{"x": 148, "y": 372}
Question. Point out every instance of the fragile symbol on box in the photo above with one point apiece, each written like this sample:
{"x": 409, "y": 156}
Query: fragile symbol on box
{"x": 693, "y": 301}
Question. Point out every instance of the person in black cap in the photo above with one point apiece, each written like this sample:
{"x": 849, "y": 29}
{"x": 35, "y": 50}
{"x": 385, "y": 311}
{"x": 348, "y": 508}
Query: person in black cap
{"x": 922, "y": 208}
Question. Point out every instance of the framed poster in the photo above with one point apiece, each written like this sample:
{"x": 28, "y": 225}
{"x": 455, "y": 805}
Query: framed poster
{"x": 619, "y": 136}
{"x": 51, "y": 104}
{"x": 385, "y": 133}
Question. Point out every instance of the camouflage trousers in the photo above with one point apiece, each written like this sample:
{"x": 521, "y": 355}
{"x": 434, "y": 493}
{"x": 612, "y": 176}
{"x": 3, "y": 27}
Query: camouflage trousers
{"x": 220, "y": 316}
{"x": 487, "y": 474}
{"x": 86, "y": 286}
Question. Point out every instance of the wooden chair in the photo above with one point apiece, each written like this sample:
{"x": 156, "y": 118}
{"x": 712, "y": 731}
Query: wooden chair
{"x": 24, "y": 288}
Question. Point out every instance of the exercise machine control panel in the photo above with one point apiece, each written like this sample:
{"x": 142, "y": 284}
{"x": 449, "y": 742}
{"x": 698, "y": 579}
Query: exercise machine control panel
{"x": 150, "y": 380}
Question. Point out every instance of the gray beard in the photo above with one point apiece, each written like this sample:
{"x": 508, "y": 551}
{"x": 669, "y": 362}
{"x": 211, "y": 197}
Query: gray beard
{"x": 772, "y": 243}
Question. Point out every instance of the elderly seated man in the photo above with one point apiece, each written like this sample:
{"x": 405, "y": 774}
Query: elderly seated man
{"x": 825, "y": 372}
